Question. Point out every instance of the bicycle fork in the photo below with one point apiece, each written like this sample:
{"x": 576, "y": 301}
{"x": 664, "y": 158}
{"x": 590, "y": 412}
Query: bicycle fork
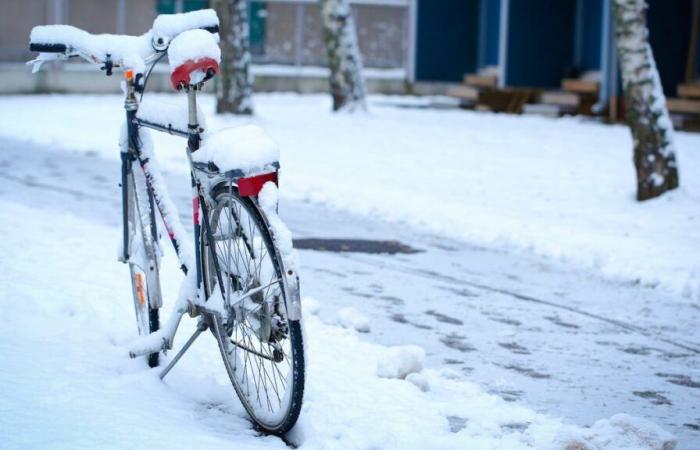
{"x": 163, "y": 339}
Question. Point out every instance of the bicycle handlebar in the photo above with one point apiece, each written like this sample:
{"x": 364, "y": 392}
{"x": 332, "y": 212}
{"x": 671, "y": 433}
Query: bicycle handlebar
{"x": 56, "y": 42}
{"x": 48, "y": 48}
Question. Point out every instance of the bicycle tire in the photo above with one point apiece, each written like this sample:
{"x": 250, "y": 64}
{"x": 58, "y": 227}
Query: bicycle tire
{"x": 143, "y": 260}
{"x": 272, "y": 422}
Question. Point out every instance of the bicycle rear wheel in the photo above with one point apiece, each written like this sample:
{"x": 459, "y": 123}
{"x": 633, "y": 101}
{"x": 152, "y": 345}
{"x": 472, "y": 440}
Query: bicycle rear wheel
{"x": 262, "y": 349}
{"x": 143, "y": 256}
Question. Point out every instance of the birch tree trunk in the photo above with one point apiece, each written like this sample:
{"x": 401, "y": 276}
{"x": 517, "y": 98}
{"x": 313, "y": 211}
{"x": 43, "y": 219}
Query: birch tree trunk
{"x": 234, "y": 87}
{"x": 647, "y": 116}
{"x": 344, "y": 60}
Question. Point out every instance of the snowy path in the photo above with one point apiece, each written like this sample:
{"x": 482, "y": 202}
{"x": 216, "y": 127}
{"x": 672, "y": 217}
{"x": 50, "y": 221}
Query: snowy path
{"x": 560, "y": 341}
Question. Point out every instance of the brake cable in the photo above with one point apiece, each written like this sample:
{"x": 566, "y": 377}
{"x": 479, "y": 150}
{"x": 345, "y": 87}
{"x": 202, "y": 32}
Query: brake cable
{"x": 148, "y": 74}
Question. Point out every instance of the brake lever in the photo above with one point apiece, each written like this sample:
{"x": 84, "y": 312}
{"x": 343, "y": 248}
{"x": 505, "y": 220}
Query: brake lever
{"x": 109, "y": 65}
{"x": 45, "y": 57}
{"x": 138, "y": 83}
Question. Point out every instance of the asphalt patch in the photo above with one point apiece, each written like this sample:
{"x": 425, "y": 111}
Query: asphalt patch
{"x": 354, "y": 246}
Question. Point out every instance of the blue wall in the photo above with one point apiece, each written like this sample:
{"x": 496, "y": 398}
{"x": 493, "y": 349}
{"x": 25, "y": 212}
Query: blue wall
{"x": 669, "y": 36}
{"x": 540, "y": 42}
{"x": 489, "y": 27}
{"x": 447, "y": 39}
{"x": 589, "y": 22}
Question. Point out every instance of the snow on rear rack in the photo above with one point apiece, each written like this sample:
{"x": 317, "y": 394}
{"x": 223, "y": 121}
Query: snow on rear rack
{"x": 237, "y": 152}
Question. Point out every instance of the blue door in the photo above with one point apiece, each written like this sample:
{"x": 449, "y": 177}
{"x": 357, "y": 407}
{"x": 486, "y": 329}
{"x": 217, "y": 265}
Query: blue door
{"x": 447, "y": 39}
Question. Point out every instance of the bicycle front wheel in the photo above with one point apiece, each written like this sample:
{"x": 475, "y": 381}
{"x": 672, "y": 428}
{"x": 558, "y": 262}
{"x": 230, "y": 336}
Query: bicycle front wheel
{"x": 262, "y": 349}
{"x": 143, "y": 256}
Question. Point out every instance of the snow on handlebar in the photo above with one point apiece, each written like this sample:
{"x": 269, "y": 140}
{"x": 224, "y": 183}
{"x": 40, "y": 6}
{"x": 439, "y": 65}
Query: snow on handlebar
{"x": 60, "y": 42}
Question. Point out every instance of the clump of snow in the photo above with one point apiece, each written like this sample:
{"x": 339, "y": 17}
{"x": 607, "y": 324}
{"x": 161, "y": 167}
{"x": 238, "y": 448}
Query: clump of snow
{"x": 193, "y": 45}
{"x": 418, "y": 380}
{"x": 450, "y": 374}
{"x": 625, "y": 432}
{"x": 245, "y": 148}
{"x": 620, "y": 432}
{"x": 400, "y": 361}
{"x": 267, "y": 198}
{"x": 350, "y": 317}
{"x": 169, "y": 25}
{"x": 310, "y": 306}
{"x": 167, "y": 114}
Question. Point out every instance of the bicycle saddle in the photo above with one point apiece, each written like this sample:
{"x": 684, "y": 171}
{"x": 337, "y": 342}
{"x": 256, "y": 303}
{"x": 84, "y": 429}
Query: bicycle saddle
{"x": 194, "y": 57}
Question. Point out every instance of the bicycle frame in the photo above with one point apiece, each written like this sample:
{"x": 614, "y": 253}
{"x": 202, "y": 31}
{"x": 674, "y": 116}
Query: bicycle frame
{"x": 194, "y": 304}
{"x": 158, "y": 198}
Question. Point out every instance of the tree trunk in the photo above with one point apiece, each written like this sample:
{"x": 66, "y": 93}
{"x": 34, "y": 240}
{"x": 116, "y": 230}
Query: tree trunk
{"x": 234, "y": 88}
{"x": 647, "y": 116}
{"x": 344, "y": 61}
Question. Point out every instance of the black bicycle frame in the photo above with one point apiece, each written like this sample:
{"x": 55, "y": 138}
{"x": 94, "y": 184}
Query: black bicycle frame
{"x": 134, "y": 153}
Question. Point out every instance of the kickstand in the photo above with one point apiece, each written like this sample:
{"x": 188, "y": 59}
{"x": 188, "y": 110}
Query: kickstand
{"x": 201, "y": 326}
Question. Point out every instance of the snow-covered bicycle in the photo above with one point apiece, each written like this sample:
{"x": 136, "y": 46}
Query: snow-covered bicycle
{"x": 241, "y": 281}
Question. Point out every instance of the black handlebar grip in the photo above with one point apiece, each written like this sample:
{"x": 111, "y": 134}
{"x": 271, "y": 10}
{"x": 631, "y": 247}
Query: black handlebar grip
{"x": 48, "y": 48}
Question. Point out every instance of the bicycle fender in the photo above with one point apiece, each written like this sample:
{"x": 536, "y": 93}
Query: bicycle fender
{"x": 293, "y": 295}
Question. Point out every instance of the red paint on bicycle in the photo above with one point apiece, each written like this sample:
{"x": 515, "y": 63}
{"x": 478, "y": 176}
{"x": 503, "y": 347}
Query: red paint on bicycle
{"x": 195, "y": 210}
{"x": 252, "y": 185}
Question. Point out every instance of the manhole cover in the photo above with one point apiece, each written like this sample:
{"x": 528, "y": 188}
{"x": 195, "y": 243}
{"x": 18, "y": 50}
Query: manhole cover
{"x": 353, "y": 245}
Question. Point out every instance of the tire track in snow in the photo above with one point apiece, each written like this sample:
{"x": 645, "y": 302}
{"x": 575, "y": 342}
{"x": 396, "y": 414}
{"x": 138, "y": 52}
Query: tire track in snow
{"x": 688, "y": 346}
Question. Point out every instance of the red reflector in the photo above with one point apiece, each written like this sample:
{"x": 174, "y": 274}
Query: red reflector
{"x": 253, "y": 185}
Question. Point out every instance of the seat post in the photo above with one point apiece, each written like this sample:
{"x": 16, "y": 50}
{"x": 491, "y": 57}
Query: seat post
{"x": 192, "y": 122}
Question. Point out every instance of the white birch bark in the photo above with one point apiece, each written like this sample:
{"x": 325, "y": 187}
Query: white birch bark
{"x": 344, "y": 60}
{"x": 234, "y": 89}
{"x": 647, "y": 115}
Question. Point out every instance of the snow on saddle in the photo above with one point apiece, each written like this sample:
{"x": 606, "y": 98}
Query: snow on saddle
{"x": 245, "y": 153}
{"x": 194, "y": 57}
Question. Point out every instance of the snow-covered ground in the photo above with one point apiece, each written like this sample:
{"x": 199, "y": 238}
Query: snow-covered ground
{"x": 536, "y": 336}
{"x": 562, "y": 188}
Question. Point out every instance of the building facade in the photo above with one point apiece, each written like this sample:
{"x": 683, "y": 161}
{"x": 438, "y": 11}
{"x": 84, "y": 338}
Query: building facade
{"x": 523, "y": 43}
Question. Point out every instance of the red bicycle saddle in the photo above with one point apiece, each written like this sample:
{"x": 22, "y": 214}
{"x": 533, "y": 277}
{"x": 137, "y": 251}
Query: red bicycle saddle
{"x": 181, "y": 75}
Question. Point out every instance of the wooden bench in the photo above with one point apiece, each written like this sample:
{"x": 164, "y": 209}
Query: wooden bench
{"x": 463, "y": 93}
{"x": 686, "y": 107}
{"x": 581, "y": 86}
{"x": 689, "y": 90}
{"x": 508, "y": 100}
{"x": 481, "y": 81}
{"x": 472, "y": 85}
{"x": 683, "y": 105}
